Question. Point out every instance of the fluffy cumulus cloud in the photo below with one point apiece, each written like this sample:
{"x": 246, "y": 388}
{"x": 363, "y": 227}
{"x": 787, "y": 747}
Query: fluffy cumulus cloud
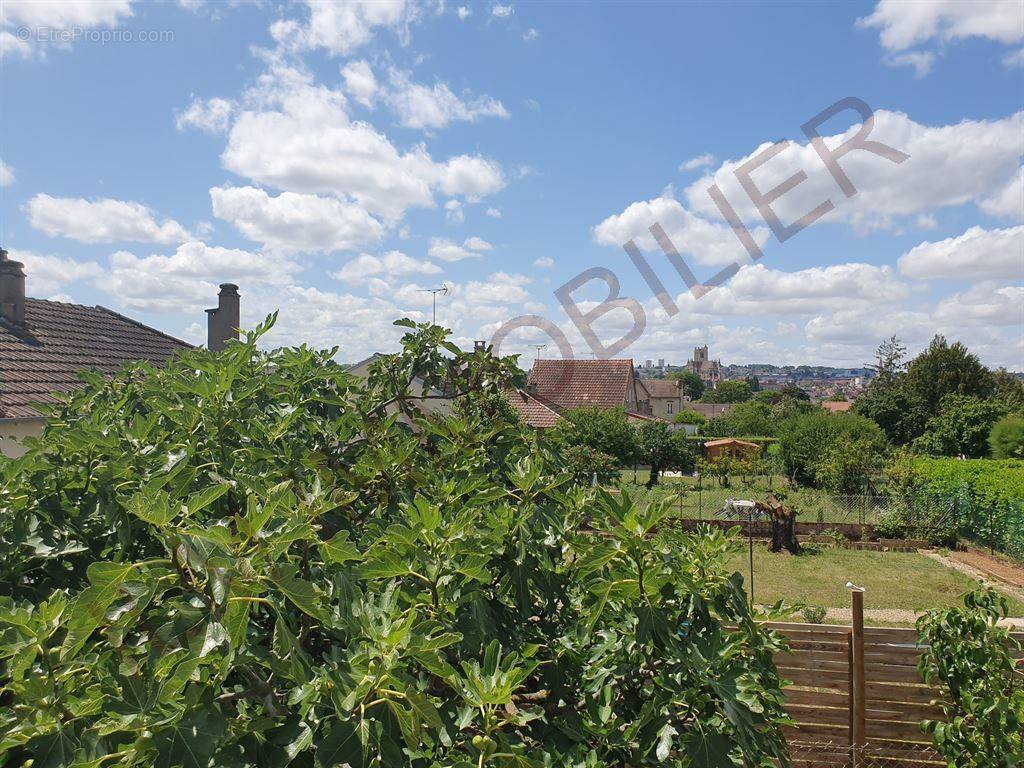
{"x": 431, "y": 107}
{"x": 544, "y": 262}
{"x": 977, "y": 254}
{"x": 50, "y": 23}
{"x": 46, "y": 275}
{"x": 1008, "y": 202}
{"x": 360, "y": 82}
{"x": 391, "y": 265}
{"x": 6, "y": 174}
{"x": 700, "y": 161}
{"x": 903, "y": 24}
{"x": 342, "y": 28}
{"x": 709, "y": 243}
{"x": 292, "y": 222}
{"x": 101, "y": 221}
{"x": 948, "y": 165}
{"x": 448, "y": 250}
{"x": 207, "y": 115}
{"x": 297, "y": 136}
{"x": 984, "y": 305}
{"x": 187, "y": 279}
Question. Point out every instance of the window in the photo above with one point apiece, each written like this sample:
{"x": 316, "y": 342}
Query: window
{"x": 668, "y": 407}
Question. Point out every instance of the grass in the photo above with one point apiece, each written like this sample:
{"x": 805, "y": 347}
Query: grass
{"x": 900, "y": 580}
{"x": 811, "y": 504}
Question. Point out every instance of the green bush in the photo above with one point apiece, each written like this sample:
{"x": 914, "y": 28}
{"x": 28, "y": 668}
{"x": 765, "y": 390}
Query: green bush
{"x": 1006, "y": 440}
{"x": 891, "y": 526}
{"x": 814, "y": 614}
{"x": 971, "y": 658}
{"x": 583, "y": 462}
{"x": 256, "y": 559}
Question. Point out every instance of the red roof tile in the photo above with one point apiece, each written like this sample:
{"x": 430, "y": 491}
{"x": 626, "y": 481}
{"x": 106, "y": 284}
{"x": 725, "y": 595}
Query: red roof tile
{"x": 661, "y": 388}
{"x": 58, "y": 340}
{"x": 582, "y": 383}
{"x": 532, "y": 409}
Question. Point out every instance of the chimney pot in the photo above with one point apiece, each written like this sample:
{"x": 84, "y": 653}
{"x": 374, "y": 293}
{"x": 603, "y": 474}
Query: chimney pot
{"x": 223, "y": 321}
{"x": 12, "y": 290}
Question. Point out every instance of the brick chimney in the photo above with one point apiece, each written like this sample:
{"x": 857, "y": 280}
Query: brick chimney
{"x": 223, "y": 322}
{"x": 12, "y": 290}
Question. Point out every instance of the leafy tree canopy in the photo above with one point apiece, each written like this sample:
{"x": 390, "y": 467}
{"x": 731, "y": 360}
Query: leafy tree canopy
{"x": 1006, "y": 440}
{"x": 691, "y": 384}
{"x": 256, "y": 559}
{"x": 733, "y": 391}
{"x": 961, "y": 427}
{"x": 807, "y": 440}
{"x": 944, "y": 369}
{"x": 604, "y": 429}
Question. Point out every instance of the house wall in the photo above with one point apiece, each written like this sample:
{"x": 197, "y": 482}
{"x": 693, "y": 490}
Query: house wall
{"x": 13, "y": 431}
{"x": 666, "y": 407}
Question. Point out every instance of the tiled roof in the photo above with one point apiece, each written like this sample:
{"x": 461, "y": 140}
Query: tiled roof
{"x": 58, "y": 340}
{"x": 582, "y": 383}
{"x": 532, "y": 409}
{"x": 661, "y": 388}
{"x": 836, "y": 406}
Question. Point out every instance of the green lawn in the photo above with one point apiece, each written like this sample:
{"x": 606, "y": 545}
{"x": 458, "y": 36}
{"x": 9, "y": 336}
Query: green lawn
{"x": 696, "y": 503}
{"x": 901, "y": 580}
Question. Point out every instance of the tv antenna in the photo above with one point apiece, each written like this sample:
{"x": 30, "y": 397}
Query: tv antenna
{"x": 444, "y": 290}
{"x": 538, "y": 347}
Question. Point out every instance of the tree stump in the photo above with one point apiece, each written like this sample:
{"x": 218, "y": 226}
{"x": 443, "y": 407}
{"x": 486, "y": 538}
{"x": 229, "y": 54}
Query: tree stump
{"x": 783, "y": 527}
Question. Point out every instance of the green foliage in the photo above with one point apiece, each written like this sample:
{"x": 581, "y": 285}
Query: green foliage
{"x": 944, "y": 369}
{"x": 689, "y": 416}
{"x": 660, "y": 448}
{"x": 961, "y": 427}
{"x": 814, "y": 614}
{"x": 257, "y": 559}
{"x": 823, "y": 439}
{"x": 750, "y": 418}
{"x": 690, "y": 383}
{"x": 737, "y": 391}
{"x": 604, "y": 429}
{"x": 1006, "y": 440}
{"x": 971, "y": 658}
{"x": 900, "y": 413}
{"x": 1009, "y": 391}
{"x": 583, "y": 462}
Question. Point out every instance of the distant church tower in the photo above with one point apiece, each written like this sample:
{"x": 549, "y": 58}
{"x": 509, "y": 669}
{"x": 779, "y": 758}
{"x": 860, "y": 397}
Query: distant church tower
{"x": 710, "y": 371}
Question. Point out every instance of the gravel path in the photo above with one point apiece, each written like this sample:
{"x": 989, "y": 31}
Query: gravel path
{"x": 974, "y": 573}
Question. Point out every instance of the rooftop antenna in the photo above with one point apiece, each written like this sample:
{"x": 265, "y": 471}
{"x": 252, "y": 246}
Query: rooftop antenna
{"x": 538, "y": 347}
{"x": 444, "y": 290}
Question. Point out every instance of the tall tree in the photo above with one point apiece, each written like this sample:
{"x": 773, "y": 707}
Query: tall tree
{"x": 888, "y": 360}
{"x": 944, "y": 369}
{"x": 691, "y": 384}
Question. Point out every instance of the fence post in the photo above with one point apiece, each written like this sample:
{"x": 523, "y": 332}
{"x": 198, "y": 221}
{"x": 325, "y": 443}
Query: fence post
{"x": 857, "y": 694}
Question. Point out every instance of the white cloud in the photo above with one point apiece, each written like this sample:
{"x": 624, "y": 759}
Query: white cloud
{"x": 948, "y": 165}
{"x": 1008, "y": 203}
{"x": 544, "y": 262}
{"x": 342, "y": 28}
{"x": 463, "y": 12}
{"x": 52, "y": 23}
{"x": 45, "y": 275}
{"x": 447, "y": 250}
{"x": 187, "y": 279}
{"x": 424, "y": 107}
{"x": 530, "y": 35}
{"x": 921, "y": 61}
{"x": 6, "y": 174}
{"x": 1014, "y": 59}
{"x": 292, "y": 222}
{"x": 207, "y": 115}
{"x": 494, "y": 213}
{"x": 392, "y": 264}
{"x": 700, "y": 161}
{"x": 453, "y": 212}
{"x": 297, "y": 136}
{"x": 502, "y": 11}
{"x": 101, "y": 221}
{"x": 360, "y": 82}
{"x": 977, "y": 254}
{"x": 904, "y": 24}
{"x": 926, "y": 221}
{"x": 984, "y": 305}
{"x": 708, "y": 242}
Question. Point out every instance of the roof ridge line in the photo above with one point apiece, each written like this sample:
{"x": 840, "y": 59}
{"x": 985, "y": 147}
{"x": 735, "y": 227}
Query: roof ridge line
{"x": 141, "y": 325}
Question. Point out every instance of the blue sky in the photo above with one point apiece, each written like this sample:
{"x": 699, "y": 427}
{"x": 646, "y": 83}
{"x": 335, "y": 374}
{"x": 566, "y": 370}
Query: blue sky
{"x": 336, "y": 158}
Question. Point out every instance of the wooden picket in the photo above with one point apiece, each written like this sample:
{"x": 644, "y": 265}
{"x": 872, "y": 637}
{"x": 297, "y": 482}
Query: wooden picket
{"x": 856, "y": 698}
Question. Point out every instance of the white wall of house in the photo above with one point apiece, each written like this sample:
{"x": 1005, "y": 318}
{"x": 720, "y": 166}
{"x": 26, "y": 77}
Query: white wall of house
{"x": 13, "y": 431}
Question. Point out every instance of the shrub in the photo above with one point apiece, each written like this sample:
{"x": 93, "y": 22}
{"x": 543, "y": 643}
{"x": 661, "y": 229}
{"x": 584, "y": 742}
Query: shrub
{"x": 689, "y": 416}
{"x": 256, "y": 559}
{"x": 971, "y": 658}
{"x": 814, "y": 614}
{"x": 808, "y": 440}
{"x": 604, "y": 429}
{"x": 583, "y": 462}
{"x": 1006, "y": 440}
{"x": 890, "y": 526}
